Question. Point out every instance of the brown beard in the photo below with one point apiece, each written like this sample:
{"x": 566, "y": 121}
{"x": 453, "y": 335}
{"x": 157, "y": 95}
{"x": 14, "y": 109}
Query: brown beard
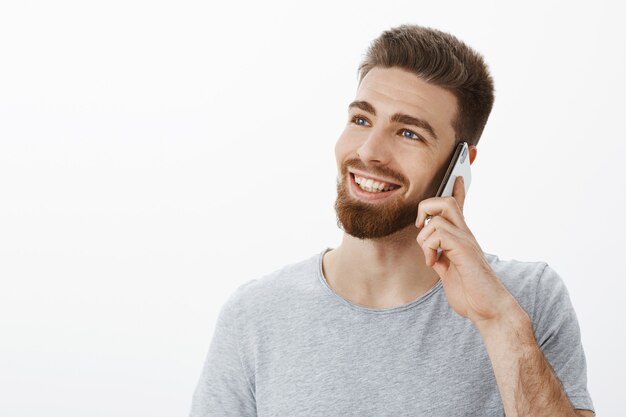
{"x": 373, "y": 221}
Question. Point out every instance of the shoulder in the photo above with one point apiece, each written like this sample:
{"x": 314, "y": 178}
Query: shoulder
{"x": 275, "y": 289}
{"x": 535, "y": 284}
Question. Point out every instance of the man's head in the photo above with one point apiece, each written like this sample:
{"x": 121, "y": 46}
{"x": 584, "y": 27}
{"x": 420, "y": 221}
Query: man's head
{"x": 420, "y": 92}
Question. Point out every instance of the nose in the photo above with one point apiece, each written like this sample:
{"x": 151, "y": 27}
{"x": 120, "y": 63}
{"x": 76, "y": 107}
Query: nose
{"x": 375, "y": 148}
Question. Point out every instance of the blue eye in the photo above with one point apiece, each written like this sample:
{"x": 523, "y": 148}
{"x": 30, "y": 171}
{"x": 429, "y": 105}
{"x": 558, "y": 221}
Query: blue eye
{"x": 356, "y": 119}
{"x": 414, "y": 137}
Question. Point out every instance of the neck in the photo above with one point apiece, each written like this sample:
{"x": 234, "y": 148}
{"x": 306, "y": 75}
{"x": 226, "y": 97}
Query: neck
{"x": 379, "y": 273}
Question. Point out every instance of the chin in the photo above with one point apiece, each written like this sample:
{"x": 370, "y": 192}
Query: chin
{"x": 364, "y": 220}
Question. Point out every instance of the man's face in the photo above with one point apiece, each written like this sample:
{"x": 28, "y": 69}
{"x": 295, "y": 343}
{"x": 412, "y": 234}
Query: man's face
{"x": 411, "y": 157}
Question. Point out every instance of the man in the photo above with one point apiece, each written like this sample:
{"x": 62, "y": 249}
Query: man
{"x": 382, "y": 325}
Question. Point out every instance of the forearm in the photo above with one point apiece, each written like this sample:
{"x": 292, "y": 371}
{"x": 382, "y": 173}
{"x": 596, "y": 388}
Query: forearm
{"x": 527, "y": 383}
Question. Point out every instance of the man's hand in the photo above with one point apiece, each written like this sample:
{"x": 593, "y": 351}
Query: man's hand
{"x": 472, "y": 287}
{"x": 527, "y": 383}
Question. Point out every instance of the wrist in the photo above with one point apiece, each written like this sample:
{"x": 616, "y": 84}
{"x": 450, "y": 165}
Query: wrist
{"x": 513, "y": 322}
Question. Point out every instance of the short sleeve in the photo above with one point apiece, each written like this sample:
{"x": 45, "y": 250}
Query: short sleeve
{"x": 558, "y": 335}
{"x": 224, "y": 389}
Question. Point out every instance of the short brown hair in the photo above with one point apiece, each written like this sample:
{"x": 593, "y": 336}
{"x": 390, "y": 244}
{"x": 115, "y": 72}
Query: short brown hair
{"x": 443, "y": 60}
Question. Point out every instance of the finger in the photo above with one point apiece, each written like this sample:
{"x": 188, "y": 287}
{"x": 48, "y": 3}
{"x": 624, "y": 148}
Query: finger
{"x": 429, "y": 253}
{"x": 431, "y": 246}
{"x": 458, "y": 192}
{"x": 447, "y": 207}
{"x": 438, "y": 223}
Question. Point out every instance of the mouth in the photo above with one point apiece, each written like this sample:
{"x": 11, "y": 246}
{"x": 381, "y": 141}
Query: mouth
{"x": 369, "y": 189}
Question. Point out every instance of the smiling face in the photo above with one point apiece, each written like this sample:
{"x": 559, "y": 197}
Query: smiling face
{"x": 399, "y": 130}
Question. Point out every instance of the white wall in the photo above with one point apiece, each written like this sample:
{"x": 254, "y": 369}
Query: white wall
{"x": 156, "y": 155}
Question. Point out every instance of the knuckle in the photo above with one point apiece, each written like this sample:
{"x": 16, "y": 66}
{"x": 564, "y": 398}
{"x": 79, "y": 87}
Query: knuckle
{"x": 451, "y": 201}
{"x": 439, "y": 220}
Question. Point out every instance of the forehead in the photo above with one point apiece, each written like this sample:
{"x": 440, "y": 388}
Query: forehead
{"x": 392, "y": 90}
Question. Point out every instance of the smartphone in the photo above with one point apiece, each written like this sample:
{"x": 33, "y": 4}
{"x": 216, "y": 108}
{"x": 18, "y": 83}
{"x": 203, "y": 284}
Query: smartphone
{"x": 459, "y": 166}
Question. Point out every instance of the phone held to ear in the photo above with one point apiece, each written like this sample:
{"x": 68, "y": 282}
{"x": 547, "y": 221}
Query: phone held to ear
{"x": 459, "y": 166}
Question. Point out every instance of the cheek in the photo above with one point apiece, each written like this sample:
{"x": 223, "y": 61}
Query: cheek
{"x": 420, "y": 174}
{"x": 342, "y": 150}
{"x": 430, "y": 179}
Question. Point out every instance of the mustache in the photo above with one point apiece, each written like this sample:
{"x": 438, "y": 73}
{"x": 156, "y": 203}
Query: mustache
{"x": 381, "y": 171}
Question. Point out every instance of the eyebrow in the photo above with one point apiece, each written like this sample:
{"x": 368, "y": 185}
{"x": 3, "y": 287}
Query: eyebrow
{"x": 398, "y": 117}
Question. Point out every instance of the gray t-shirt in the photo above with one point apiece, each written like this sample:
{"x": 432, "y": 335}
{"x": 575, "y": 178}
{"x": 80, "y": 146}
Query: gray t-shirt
{"x": 287, "y": 345}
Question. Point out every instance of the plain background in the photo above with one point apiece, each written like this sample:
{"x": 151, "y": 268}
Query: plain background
{"x": 156, "y": 155}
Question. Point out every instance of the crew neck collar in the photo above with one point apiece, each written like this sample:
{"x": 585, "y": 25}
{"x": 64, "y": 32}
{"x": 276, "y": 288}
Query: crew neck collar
{"x": 388, "y": 310}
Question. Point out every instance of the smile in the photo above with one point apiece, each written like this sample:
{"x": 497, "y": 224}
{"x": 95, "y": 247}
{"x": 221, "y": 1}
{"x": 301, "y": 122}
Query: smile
{"x": 371, "y": 189}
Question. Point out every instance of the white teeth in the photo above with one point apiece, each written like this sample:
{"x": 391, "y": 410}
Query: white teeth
{"x": 371, "y": 185}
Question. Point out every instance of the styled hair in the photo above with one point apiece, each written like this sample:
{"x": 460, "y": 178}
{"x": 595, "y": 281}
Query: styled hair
{"x": 443, "y": 60}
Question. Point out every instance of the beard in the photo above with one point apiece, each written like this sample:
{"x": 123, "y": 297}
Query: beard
{"x": 365, "y": 220}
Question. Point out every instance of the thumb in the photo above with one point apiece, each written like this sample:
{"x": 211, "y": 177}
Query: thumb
{"x": 458, "y": 192}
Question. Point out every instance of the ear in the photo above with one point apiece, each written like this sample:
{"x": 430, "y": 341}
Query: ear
{"x": 472, "y": 153}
